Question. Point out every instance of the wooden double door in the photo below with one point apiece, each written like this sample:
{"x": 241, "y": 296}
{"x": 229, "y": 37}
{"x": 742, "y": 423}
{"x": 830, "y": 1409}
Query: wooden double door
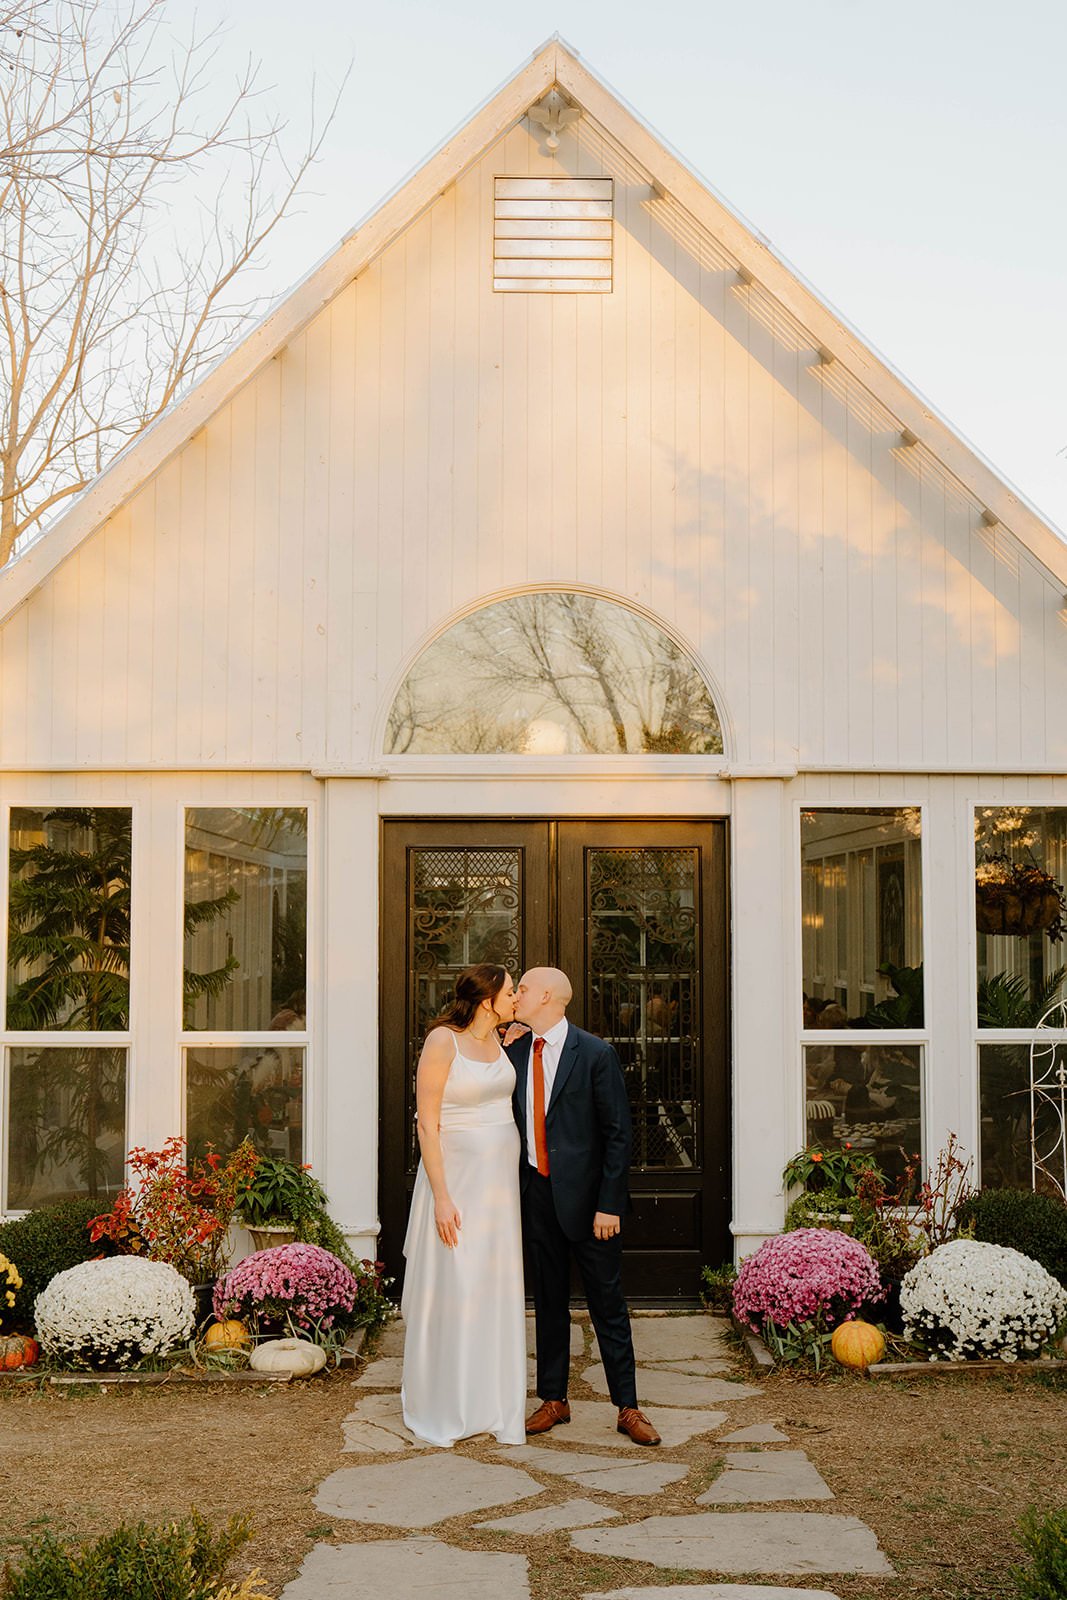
{"x": 636, "y": 914}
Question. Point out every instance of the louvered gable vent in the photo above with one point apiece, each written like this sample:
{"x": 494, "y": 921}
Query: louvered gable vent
{"x": 553, "y": 235}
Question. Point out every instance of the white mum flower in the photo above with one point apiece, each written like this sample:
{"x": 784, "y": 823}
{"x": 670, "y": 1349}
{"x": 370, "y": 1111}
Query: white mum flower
{"x": 113, "y": 1313}
{"x": 969, "y": 1299}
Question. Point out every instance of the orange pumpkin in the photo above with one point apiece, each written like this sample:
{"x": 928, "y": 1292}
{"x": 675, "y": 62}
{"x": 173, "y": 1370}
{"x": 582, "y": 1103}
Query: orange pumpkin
{"x": 857, "y": 1344}
{"x": 18, "y": 1350}
{"x": 230, "y": 1335}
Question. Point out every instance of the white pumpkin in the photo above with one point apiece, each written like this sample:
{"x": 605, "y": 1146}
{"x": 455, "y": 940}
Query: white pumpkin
{"x": 299, "y": 1357}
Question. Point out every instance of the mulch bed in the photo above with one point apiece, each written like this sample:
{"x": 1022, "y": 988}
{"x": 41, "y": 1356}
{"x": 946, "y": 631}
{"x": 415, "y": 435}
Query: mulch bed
{"x": 941, "y": 1472}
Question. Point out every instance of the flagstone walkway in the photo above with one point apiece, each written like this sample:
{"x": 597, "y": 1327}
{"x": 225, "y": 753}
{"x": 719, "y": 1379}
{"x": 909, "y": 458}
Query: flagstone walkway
{"x": 421, "y": 1518}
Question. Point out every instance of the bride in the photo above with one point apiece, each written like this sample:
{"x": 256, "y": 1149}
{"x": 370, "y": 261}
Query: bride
{"x": 463, "y": 1302}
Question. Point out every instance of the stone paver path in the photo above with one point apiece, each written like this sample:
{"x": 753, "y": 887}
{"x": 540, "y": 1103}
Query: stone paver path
{"x": 550, "y": 1519}
{"x": 644, "y": 1477}
{"x": 418, "y": 1494}
{"x": 743, "y": 1541}
{"x": 658, "y": 1388}
{"x": 759, "y": 1433}
{"x": 751, "y": 1476}
{"x": 482, "y": 1493}
{"x": 714, "y": 1591}
{"x": 594, "y": 1422}
{"x": 404, "y": 1567}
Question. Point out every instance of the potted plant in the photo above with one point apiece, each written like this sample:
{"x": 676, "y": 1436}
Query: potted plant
{"x": 281, "y": 1202}
{"x": 828, "y": 1179}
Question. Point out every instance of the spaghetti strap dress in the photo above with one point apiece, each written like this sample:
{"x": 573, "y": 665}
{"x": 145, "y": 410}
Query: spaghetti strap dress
{"x": 464, "y": 1308}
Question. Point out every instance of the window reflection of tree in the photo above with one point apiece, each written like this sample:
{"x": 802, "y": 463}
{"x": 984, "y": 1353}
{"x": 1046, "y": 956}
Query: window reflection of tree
{"x": 610, "y": 681}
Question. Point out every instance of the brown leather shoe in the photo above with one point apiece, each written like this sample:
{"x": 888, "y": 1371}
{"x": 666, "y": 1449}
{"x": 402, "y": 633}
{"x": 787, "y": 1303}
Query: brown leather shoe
{"x": 548, "y": 1413}
{"x": 637, "y": 1425}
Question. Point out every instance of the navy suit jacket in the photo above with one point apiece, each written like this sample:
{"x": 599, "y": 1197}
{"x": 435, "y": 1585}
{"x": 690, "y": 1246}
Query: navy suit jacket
{"x": 587, "y": 1124}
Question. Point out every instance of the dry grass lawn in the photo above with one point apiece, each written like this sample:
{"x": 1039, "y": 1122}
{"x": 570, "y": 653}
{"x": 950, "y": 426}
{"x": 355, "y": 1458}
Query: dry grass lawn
{"x": 940, "y": 1468}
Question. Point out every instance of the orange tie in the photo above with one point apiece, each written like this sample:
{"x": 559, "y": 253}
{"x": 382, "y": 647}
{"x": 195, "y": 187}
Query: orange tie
{"x": 540, "y": 1136}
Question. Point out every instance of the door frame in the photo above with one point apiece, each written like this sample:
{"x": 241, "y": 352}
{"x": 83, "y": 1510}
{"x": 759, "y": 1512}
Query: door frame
{"x": 716, "y": 990}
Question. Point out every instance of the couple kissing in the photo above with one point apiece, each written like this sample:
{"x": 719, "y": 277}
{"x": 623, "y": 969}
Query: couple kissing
{"x": 525, "y": 1140}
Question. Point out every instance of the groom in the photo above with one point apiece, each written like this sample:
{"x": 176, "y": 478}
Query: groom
{"x": 574, "y": 1118}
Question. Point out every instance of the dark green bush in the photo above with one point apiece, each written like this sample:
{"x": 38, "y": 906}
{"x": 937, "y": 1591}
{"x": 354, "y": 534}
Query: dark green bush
{"x": 1035, "y": 1224}
{"x": 45, "y": 1242}
{"x": 717, "y": 1287}
{"x": 1044, "y": 1538}
{"x": 183, "y": 1560}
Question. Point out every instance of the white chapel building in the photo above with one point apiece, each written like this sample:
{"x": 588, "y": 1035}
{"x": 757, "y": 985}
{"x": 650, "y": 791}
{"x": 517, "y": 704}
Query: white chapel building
{"x": 550, "y": 577}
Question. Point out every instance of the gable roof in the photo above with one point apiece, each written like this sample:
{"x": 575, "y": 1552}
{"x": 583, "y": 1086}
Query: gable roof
{"x": 555, "y": 64}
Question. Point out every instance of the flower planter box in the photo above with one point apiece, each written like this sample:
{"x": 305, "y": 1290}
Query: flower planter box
{"x": 67, "y": 1380}
{"x": 909, "y": 1369}
{"x": 754, "y": 1345}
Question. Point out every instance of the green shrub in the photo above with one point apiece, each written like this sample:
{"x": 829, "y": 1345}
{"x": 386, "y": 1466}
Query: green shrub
{"x": 45, "y": 1242}
{"x": 1044, "y": 1538}
{"x": 183, "y": 1560}
{"x": 178, "y": 1560}
{"x": 1035, "y": 1224}
{"x": 717, "y": 1287}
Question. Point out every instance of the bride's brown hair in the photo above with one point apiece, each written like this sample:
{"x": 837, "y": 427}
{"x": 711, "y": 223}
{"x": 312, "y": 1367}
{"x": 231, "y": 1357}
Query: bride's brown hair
{"x": 474, "y": 984}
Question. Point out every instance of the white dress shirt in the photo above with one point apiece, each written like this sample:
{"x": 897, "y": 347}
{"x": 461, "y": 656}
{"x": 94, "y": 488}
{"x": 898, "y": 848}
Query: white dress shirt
{"x": 555, "y": 1039}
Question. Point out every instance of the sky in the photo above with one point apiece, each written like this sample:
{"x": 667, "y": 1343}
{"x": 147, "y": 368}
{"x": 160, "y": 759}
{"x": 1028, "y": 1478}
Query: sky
{"x": 908, "y": 159}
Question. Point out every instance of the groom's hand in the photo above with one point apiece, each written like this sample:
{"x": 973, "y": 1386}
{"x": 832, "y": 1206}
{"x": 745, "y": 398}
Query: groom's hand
{"x": 515, "y": 1031}
{"x": 605, "y": 1226}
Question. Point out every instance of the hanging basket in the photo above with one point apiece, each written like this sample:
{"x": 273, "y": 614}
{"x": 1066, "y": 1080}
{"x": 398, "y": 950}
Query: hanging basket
{"x": 1007, "y": 908}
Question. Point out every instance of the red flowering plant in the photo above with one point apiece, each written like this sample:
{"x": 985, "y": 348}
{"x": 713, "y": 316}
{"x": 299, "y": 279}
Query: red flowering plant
{"x": 834, "y": 1173}
{"x": 178, "y": 1211}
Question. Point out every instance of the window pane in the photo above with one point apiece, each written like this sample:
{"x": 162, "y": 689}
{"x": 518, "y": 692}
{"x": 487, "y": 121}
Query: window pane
{"x": 862, "y": 914}
{"x": 867, "y": 1095}
{"x": 254, "y": 1091}
{"x": 1020, "y": 870}
{"x": 643, "y": 922}
{"x": 66, "y": 1125}
{"x": 553, "y": 674}
{"x": 1012, "y": 1121}
{"x": 69, "y": 919}
{"x": 245, "y": 918}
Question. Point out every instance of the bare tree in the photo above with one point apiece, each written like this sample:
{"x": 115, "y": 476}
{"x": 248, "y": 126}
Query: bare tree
{"x": 127, "y": 212}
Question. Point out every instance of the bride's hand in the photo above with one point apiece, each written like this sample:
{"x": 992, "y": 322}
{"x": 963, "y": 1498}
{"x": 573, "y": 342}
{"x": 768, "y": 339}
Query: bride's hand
{"x": 446, "y": 1219}
{"x": 515, "y": 1031}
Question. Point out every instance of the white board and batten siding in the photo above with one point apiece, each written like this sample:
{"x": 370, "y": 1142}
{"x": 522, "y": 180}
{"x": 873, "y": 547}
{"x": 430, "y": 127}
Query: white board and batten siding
{"x": 428, "y": 441}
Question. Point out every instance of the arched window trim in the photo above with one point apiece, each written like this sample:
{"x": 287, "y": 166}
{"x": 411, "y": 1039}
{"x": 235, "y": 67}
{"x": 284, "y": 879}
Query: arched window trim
{"x": 710, "y": 762}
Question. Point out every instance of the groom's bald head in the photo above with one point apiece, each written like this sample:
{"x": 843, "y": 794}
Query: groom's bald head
{"x": 542, "y": 997}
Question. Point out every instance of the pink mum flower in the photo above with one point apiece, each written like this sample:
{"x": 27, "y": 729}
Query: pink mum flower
{"x": 301, "y": 1281}
{"x": 809, "y": 1273}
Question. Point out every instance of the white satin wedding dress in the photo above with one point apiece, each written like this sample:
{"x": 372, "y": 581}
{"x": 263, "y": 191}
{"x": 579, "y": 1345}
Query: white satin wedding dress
{"x": 464, "y": 1308}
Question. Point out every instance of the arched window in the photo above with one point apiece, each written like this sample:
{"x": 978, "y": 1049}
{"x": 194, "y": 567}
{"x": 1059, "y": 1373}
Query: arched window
{"x": 553, "y": 673}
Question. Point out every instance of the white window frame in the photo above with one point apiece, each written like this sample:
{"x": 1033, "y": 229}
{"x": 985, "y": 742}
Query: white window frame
{"x": 295, "y": 1039}
{"x": 63, "y": 1038}
{"x": 993, "y": 1036}
{"x": 919, "y": 1038}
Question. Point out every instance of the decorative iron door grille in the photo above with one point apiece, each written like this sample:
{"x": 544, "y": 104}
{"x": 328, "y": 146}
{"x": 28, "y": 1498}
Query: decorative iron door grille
{"x": 464, "y": 907}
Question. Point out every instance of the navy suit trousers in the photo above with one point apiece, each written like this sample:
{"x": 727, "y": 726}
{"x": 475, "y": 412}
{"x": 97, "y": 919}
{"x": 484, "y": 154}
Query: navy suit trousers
{"x": 600, "y": 1264}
